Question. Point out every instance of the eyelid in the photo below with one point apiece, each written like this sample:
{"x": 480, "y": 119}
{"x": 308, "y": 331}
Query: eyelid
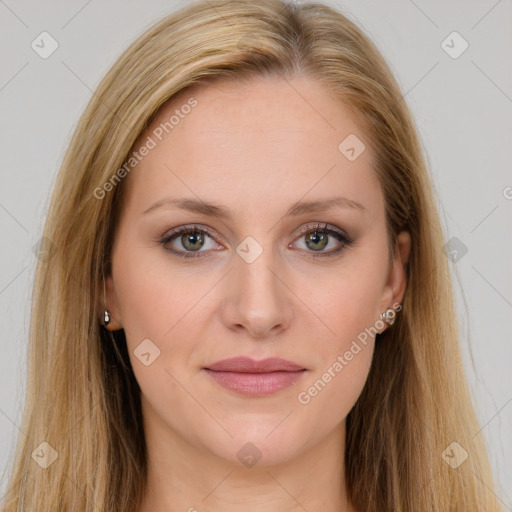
{"x": 323, "y": 226}
{"x": 302, "y": 230}
{"x": 188, "y": 227}
{"x": 342, "y": 238}
{"x": 192, "y": 228}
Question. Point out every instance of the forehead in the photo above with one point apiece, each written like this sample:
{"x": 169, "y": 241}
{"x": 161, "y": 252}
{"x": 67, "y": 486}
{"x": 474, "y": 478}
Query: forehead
{"x": 265, "y": 141}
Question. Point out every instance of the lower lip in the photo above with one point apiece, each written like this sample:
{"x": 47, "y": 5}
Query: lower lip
{"x": 255, "y": 384}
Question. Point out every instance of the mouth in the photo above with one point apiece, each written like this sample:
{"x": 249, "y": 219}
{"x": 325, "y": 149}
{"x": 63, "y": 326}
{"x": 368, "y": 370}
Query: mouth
{"x": 248, "y": 377}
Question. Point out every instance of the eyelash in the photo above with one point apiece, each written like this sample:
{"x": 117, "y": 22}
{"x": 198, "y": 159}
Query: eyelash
{"x": 317, "y": 228}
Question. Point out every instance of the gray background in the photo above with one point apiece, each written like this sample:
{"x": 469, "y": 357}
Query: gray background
{"x": 463, "y": 110}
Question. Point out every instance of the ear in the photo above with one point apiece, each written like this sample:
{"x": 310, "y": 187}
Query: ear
{"x": 110, "y": 303}
{"x": 394, "y": 289}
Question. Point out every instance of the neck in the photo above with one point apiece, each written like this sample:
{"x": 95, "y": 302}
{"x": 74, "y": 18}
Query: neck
{"x": 185, "y": 477}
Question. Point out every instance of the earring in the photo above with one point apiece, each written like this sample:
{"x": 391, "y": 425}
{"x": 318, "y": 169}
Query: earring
{"x": 389, "y": 316}
{"x": 106, "y": 315}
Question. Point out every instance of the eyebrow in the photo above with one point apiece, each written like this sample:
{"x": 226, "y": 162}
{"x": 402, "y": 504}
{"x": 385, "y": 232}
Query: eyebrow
{"x": 216, "y": 210}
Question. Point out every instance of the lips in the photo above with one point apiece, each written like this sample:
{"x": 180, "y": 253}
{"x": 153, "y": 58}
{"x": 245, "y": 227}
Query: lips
{"x": 248, "y": 377}
{"x": 248, "y": 365}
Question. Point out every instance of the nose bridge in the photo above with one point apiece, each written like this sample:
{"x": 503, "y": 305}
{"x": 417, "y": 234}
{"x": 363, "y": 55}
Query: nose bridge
{"x": 258, "y": 299}
{"x": 256, "y": 268}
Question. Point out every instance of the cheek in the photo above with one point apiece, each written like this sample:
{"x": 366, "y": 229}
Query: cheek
{"x": 157, "y": 311}
{"x": 332, "y": 392}
{"x": 348, "y": 301}
{"x": 168, "y": 307}
{"x": 344, "y": 358}
{"x": 347, "y": 305}
{"x": 152, "y": 300}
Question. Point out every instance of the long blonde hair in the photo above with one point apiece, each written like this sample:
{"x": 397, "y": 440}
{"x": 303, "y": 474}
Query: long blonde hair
{"x": 82, "y": 397}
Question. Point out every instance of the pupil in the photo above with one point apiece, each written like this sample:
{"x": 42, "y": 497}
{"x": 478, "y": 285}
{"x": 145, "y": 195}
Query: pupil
{"x": 317, "y": 239}
{"x": 193, "y": 239}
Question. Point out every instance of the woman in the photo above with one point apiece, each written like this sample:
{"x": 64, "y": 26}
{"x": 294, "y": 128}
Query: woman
{"x": 245, "y": 302}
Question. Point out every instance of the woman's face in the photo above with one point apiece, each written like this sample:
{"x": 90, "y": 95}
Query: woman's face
{"x": 268, "y": 155}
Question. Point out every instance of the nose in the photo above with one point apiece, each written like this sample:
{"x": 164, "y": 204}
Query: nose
{"x": 258, "y": 299}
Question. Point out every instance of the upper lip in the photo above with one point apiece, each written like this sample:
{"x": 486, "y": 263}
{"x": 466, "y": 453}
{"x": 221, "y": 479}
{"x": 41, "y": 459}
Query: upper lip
{"x": 249, "y": 365}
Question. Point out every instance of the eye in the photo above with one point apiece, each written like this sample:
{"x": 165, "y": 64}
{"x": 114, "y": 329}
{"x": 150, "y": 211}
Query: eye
{"x": 318, "y": 237}
{"x": 189, "y": 239}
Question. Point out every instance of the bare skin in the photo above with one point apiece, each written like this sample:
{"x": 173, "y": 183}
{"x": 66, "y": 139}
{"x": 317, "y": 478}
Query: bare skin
{"x": 256, "y": 148}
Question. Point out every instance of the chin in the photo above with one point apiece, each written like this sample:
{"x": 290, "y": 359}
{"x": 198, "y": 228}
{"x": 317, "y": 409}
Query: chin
{"x": 258, "y": 449}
